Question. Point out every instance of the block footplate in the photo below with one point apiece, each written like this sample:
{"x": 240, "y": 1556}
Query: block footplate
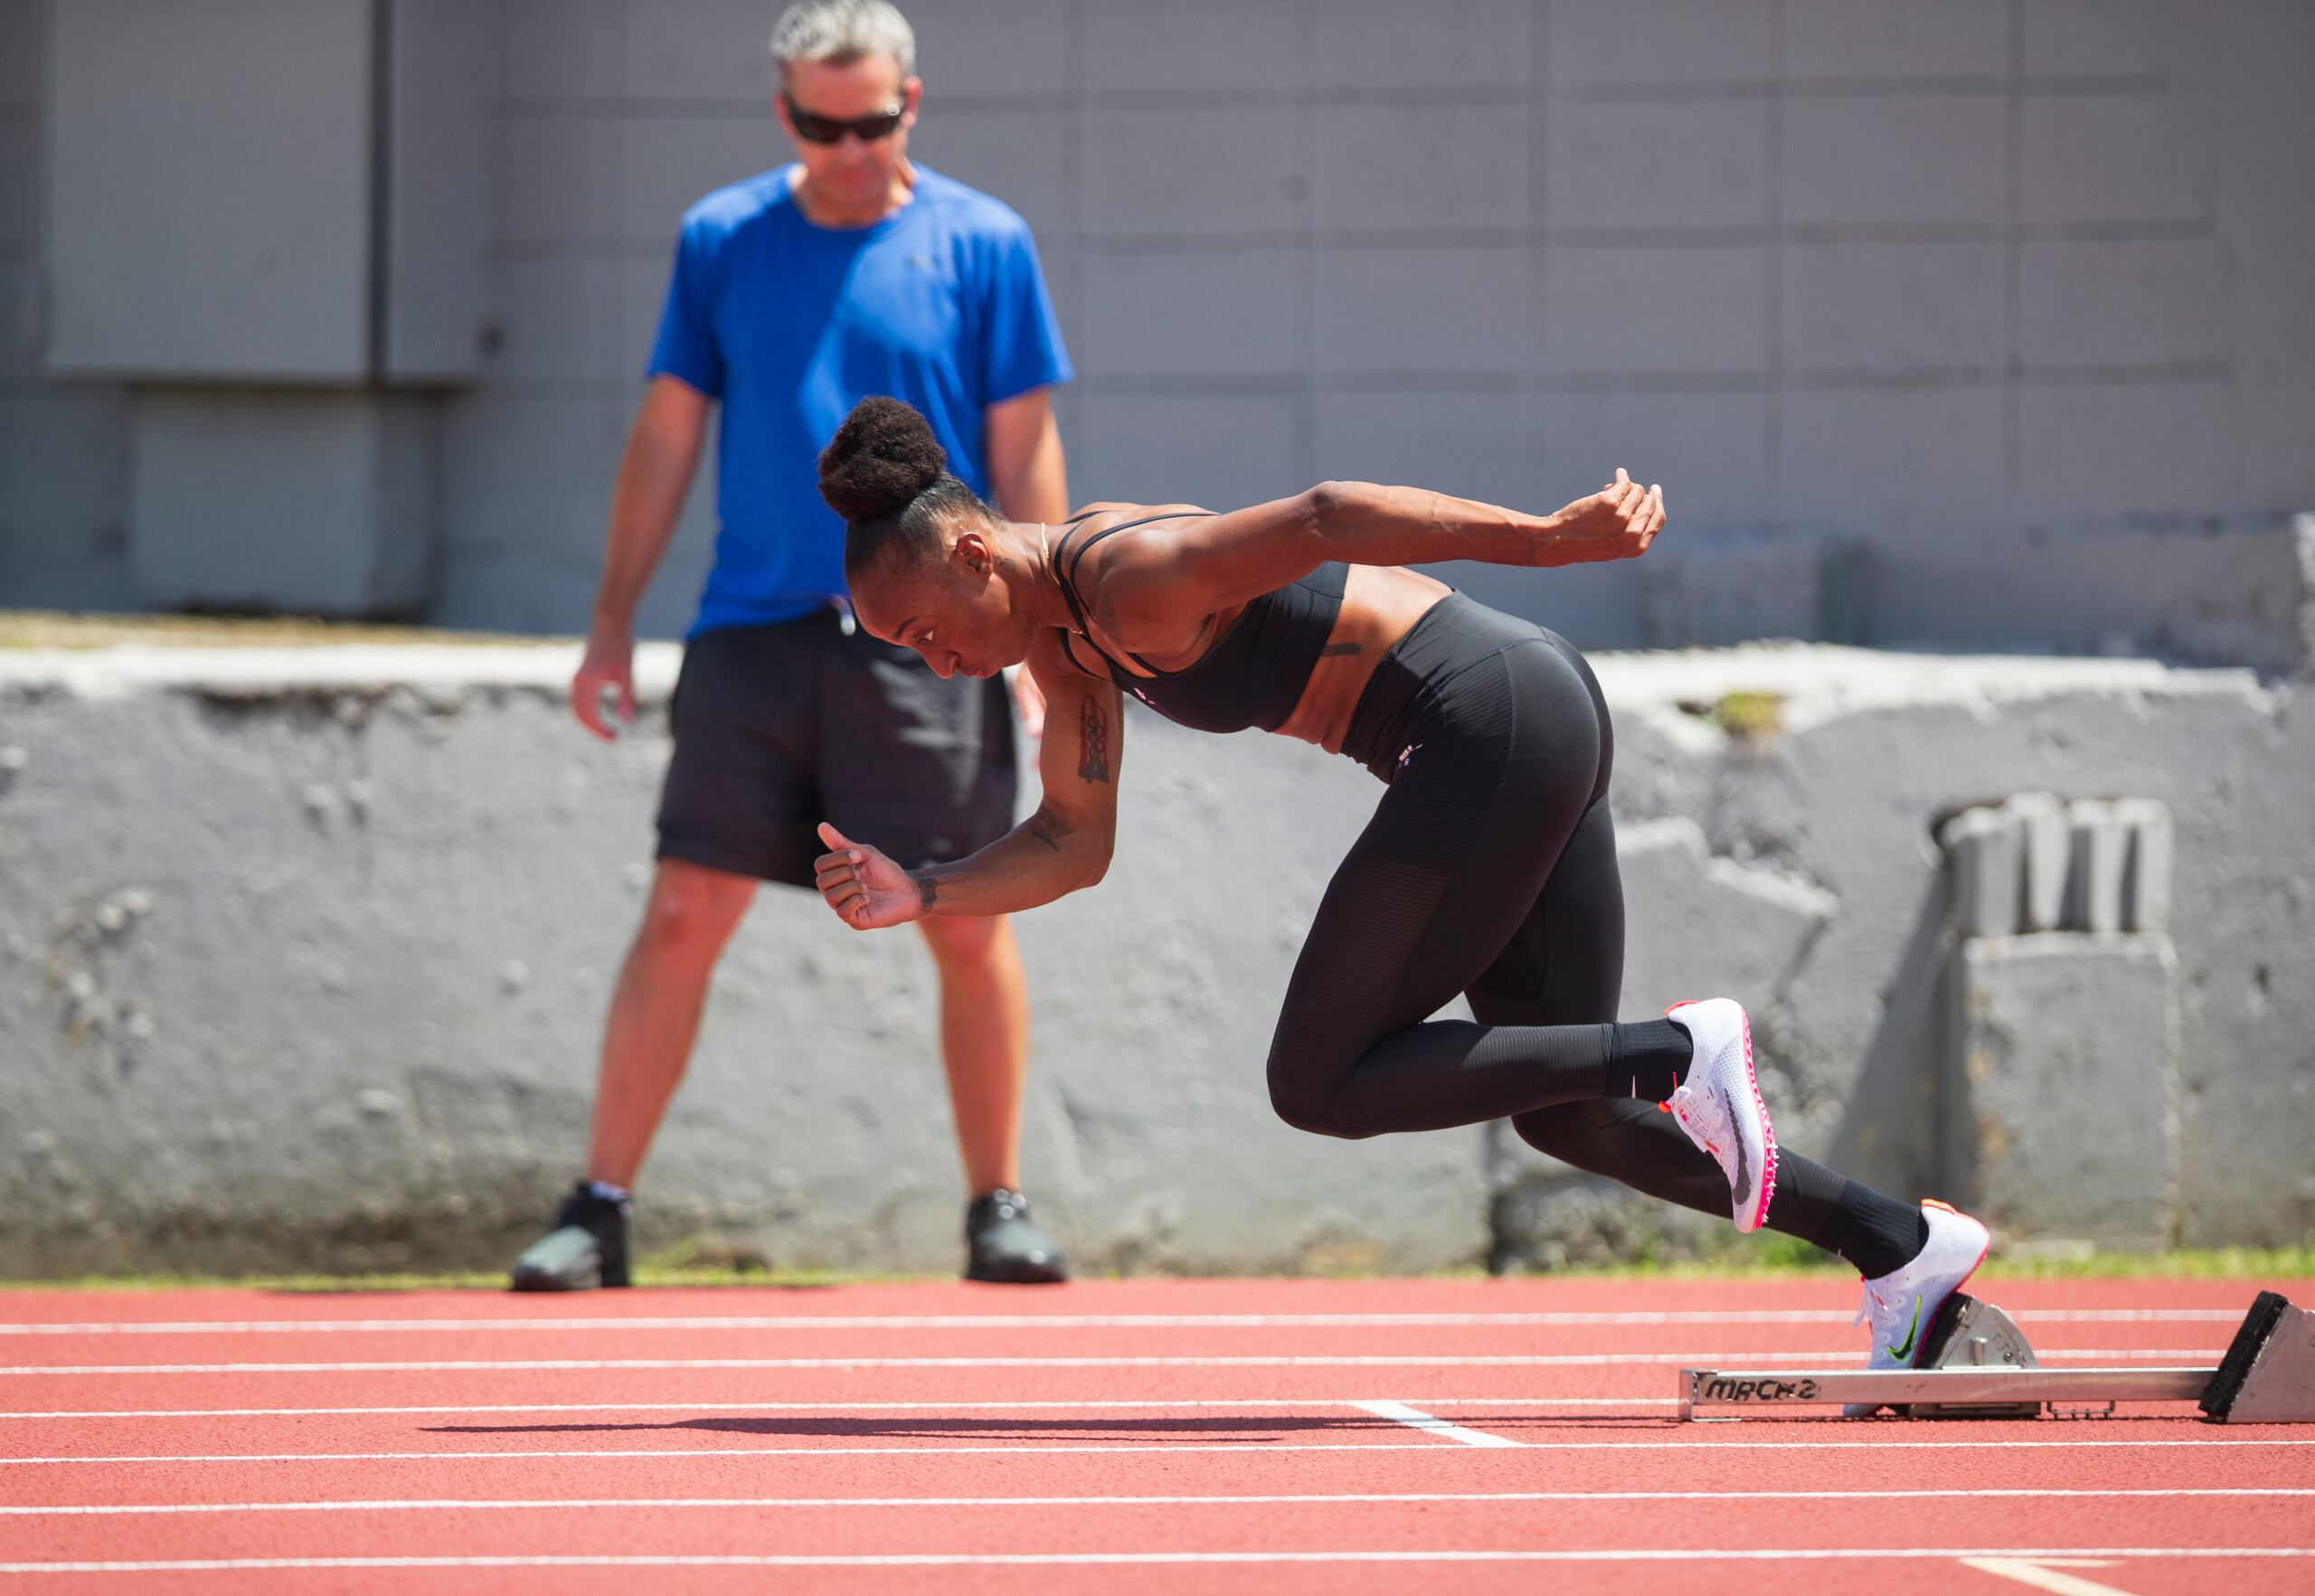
{"x": 1980, "y": 1366}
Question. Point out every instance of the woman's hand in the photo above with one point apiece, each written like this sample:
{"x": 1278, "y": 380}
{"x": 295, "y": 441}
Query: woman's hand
{"x": 1617, "y": 522}
{"x": 867, "y": 890}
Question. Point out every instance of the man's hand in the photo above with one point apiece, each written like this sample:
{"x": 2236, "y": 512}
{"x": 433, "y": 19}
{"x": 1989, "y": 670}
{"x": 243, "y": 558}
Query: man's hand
{"x": 1028, "y": 702}
{"x": 867, "y": 890}
{"x": 609, "y": 662}
{"x": 1617, "y": 522}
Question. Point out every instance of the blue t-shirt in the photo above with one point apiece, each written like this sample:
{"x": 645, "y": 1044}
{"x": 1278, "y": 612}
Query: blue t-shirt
{"x": 791, "y": 324}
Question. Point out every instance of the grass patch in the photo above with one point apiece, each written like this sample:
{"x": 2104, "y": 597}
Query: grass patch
{"x": 40, "y": 628}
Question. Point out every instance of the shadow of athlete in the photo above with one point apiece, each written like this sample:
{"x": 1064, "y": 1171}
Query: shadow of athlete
{"x": 1489, "y": 869}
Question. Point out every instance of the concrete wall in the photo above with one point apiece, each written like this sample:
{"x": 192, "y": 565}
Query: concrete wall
{"x": 1852, "y": 277}
{"x": 303, "y": 955}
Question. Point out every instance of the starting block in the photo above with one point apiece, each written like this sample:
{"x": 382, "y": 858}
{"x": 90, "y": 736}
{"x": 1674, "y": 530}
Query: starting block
{"x": 1980, "y": 1366}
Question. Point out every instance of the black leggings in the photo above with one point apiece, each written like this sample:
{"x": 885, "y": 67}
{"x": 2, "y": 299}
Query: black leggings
{"x": 1490, "y": 870}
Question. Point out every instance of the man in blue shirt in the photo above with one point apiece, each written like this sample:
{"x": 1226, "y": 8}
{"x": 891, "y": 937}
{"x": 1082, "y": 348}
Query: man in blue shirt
{"x": 795, "y": 294}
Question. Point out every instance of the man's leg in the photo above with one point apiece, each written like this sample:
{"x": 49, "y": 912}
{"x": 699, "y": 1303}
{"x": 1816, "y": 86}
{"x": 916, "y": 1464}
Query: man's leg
{"x": 656, "y": 1008}
{"x": 985, "y": 1046}
{"x": 983, "y": 1042}
{"x": 647, "y": 1042}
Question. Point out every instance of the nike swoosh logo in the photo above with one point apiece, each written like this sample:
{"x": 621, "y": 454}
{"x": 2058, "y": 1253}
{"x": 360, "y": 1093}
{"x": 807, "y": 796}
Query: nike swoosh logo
{"x": 1904, "y": 1353}
{"x": 1744, "y": 1182}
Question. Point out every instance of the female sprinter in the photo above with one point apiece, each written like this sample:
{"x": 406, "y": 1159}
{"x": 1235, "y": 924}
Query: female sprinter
{"x": 1490, "y": 868}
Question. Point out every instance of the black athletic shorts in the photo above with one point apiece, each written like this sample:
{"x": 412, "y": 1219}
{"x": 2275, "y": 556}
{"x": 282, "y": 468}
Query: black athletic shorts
{"x": 781, "y": 727}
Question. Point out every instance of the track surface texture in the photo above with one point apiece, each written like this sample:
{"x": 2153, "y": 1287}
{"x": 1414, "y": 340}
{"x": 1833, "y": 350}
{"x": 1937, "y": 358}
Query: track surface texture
{"x": 1216, "y": 1436}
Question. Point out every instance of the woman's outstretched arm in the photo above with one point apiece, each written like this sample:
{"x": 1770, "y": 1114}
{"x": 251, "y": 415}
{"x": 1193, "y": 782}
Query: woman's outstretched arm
{"x": 1205, "y": 564}
{"x": 1064, "y": 846}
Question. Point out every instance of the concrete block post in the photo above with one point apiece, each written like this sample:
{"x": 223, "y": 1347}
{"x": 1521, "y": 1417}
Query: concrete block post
{"x": 2040, "y": 818}
{"x": 2061, "y": 1107}
{"x": 2061, "y": 1044}
{"x": 2094, "y": 892}
{"x": 1981, "y": 849}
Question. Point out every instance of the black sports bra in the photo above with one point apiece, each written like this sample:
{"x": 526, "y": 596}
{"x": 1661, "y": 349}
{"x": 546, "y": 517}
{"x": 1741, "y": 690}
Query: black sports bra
{"x": 1252, "y": 676}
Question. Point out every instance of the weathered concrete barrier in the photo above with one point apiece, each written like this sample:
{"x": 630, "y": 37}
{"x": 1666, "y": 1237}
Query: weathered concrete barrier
{"x": 304, "y": 954}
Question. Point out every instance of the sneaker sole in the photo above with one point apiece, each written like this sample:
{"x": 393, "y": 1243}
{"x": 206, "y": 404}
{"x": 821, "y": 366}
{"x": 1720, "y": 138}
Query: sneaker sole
{"x": 1939, "y": 1307}
{"x": 1746, "y": 1223}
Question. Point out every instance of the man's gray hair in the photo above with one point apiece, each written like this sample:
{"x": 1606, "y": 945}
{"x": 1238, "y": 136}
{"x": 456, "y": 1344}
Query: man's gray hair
{"x": 841, "y": 30}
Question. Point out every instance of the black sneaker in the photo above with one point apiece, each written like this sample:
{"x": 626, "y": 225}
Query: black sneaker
{"x": 1004, "y": 1245}
{"x": 587, "y": 1247}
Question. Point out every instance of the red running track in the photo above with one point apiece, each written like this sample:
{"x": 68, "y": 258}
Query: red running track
{"x": 1271, "y": 1435}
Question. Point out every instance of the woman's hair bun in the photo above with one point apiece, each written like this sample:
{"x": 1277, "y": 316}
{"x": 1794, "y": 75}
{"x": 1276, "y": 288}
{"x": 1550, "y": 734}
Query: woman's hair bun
{"x": 882, "y": 456}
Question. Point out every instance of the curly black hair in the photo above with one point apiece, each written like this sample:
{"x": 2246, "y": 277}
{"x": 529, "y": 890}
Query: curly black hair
{"x": 887, "y": 476}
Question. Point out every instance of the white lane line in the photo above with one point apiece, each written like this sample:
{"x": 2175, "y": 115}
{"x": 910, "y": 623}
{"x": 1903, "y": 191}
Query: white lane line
{"x": 502, "y": 1504}
{"x": 1540, "y": 1319}
{"x": 2103, "y": 1440}
{"x": 1417, "y": 1419}
{"x": 1129, "y": 1559}
{"x": 2042, "y": 1574}
{"x": 1754, "y": 1359}
{"x": 843, "y": 1407}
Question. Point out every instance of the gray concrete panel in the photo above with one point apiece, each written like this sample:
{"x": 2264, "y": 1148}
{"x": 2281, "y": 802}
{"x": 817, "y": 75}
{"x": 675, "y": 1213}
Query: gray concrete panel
{"x": 1896, "y": 160}
{"x": 1853, "y": 41}
{"x": 561, "y": 50}
{"x": 994, "y": 47}
{"x": 1588, "y": 43}
{"x": 1710, "y": 449}
{"x": 443, "y": 78}
{"x": 697, "y": 50}
{"x": 1192, "y": 47}
{"x": 1687, "y": 310}
{"x": 165, "y": 258}
{"x": 2145, "y": 445}
{"x": 2112, "y": 38}
{"x": 313, "y": 502}
{"x": 1024, "y": 158}
{"x": 1453, "y": 44}
{"x": 20, "y": 147}
{"x": 563, "y": 319}
{"x": 1405, "y": 309}
{"x": 1467, "y": 444}
{"x": 1217, "y": 449}
{"x": 2115, "y": 157}
{"x": 666, "y": 163}
{"x": 1216, "y": 314}
{"x": 2124, "y": 302}
{"x": 1684, "y": 164}
{"x": 1866, "y": 305}
{"x": 558, "y": 179}
{"x": 1903, "y": 457}
{"x": 1230, "y": 169}
{"x": 532, "y": 476}
{"x": 1443, "y": 164}
{"x": 23, "y": 48}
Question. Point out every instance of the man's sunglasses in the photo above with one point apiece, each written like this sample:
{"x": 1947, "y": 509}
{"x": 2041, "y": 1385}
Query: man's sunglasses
{"x": 814, "y": 128}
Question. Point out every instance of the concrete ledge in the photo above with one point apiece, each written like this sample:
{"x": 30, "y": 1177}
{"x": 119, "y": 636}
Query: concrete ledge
{"x": 304, "y": 952}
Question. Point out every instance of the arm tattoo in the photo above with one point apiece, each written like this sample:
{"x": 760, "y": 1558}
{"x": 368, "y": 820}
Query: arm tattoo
{"x": 1337, "y": 650}
{"x": 928, "y": 891}
{"x": 1049, "y": 828}
{"x": 1093, "y": 741}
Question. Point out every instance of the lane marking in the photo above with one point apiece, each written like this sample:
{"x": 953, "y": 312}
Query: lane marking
{"x": 1243, "y": 1449}
{"x": 1131, "y": 1558}
{"x": 838, "y": 1407}
{"x": 1754, "y": 1358}
{"x": 1419, "y": 1420}
{"x": 1564, "y": 1318}
{"x": 463, "y": 1505}
{"x": 2042, "y": 1574}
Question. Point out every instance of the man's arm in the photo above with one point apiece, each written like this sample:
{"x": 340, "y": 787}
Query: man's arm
{"x": 1030, "y": 481}
{"x": 1199, "y": 566}
{"x": 1064, "y": 846}
{"x": 655, "y": 474}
